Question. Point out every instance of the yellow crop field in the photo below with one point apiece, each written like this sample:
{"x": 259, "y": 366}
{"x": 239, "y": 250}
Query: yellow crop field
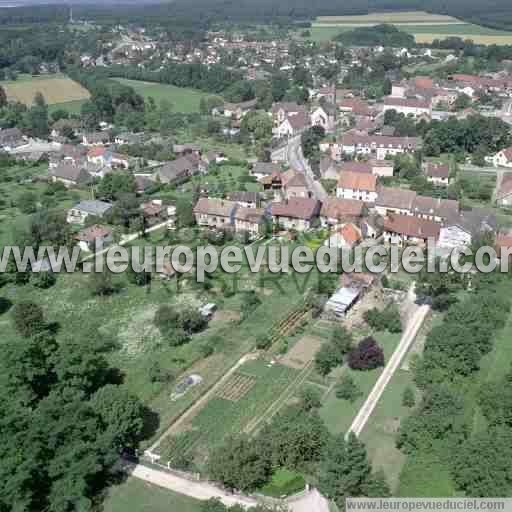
{"x": 55, "y": 89}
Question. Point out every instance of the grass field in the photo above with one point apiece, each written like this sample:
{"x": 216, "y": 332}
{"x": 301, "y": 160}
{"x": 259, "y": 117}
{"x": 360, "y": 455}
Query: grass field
{"x": 338, "y": 414}
{"x": 134, "y": 495}
{"x": 55, "y": 89}
{"x": 73, "y": 107}
{"x": 183, "y": 99}
{"x": 424, "y": 26}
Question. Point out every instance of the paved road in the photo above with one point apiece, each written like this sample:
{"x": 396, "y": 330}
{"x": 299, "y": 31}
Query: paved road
{"x": 408, "y": 337}
{"x": 299, "y": 163}
{"x": 311, "y": 501}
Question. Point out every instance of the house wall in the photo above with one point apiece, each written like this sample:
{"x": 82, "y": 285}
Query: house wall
{"x": 360, "y": 195}
{"x": 212, "y": 221}
{"x": 291, "y": 223}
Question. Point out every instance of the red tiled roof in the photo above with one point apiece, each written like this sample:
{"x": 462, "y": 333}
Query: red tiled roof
{"x": 297, "y": 208}
{"x": 411, "y": 226}
{"x": 357, "y": 181}
{"x": 350, "y": 233}
{"x": 96, "y": 151}
{"x": 338, "y": 208}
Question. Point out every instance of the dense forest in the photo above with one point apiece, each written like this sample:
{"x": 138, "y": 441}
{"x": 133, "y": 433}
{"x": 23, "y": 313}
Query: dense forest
{"x": 184, "y": 16}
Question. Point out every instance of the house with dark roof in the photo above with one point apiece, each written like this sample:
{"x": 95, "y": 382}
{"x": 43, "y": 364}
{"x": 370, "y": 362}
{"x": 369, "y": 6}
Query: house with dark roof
{"x": 245, "y": 199}
{"x": 177, "y": 171}
{"x": 394, "y": 200}
{"x": 297, "y": 213}
{"x": 215, "y": 213}
{"x": 70, "y": 175}
{"x": 91, "y": 207}
{"x": 461, "y": 229}
{"x": 11, "y": 138}
{"x": 262, "y": 169}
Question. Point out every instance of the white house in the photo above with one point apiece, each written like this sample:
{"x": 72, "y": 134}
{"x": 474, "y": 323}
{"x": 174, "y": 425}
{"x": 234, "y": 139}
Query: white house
{"x": 360, "y": 186}
{"x": 503, "y": 158}
{"x": 324, "y": 116}
{"x": 408, "y": 106}
{"x": 378, "y": 146}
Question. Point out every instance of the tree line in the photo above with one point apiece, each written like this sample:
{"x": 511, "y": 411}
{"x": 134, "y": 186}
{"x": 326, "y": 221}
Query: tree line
{"x": 443, "y": 423}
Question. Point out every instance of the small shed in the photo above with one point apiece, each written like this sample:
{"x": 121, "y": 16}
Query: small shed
{"x": 342, "y": 300}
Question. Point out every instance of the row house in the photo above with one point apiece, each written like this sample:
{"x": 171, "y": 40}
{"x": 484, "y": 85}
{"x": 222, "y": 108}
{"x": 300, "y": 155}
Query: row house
{"x": 96, "y": 138}
{"x": 408, "y": 106}
{"x": 379, "y": 145}
{"x": 337, "y": 211}
{"x": 359, "y": 186}
{"x": 222, "y": 214}
{"x": 404, "y": 229}
{"x": 379, "y": 168}
{"x": 297, "y": 213}
{"x": 70, "y": 175}
{"x": 245, "y": 199}
{"x": 250, "y": 220}
{"x": 239, "y": 110}
{"x": 397, "y": 201}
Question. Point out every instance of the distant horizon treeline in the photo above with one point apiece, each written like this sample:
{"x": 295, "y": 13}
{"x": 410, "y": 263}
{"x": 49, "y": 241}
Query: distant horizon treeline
{"x": 187, "y": 16}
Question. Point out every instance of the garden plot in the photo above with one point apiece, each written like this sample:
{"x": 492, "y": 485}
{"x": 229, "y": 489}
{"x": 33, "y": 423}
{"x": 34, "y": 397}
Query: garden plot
{"x": 302, "y": 352}
{"x": 244, "y": 397}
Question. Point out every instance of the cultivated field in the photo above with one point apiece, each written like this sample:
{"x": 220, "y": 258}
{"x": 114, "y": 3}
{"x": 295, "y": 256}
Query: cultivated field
{"x": 243, "y": 397}
{"x": 424, "y": 26}
{"x": 55, "y": 89}
{"x": 183, "y": 99}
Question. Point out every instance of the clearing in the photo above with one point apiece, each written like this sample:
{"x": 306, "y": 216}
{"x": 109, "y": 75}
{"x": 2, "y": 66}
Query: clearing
{"x": 183, "y": 99}
{"x": 56, "y": 89}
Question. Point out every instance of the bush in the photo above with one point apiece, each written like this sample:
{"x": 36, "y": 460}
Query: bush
{"x": 5, "y": 305}
{"x": 366, "y": 356}
{"x": 28, "y": 318}
{"x": 43, "y": 280}
{"x": 310, "y": 399}
{"x": 347, "y": 389}
{"x": 408, "y": 399}
{"x": 386, "y": 320}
